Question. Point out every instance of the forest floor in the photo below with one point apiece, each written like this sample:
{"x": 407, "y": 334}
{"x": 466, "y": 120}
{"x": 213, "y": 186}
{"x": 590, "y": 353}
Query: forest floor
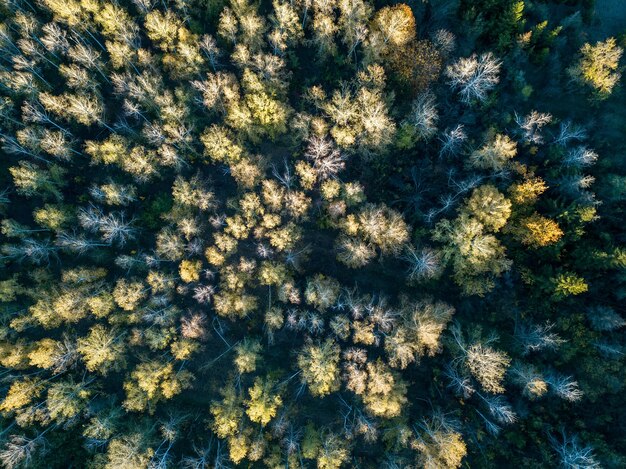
{"x": 610, "y": 17}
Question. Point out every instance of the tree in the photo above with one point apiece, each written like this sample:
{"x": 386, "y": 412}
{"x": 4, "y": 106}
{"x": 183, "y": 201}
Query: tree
{"x": 247, "y": 355}
{"x": 19, "y": 451}
{"x": 394, "y": 26}
{"x": 129, "y": 451}
{"x": 272, "y": 273}
{"x": 488, "y": 366}
{"x": 58, "y": 356}
{"x": 532, "y": 383}
{"x": 537, "y": 231}
{"x": 20, "y": 394}
{"x": 287, "y": 30}
{"x": 163, "y": 28}
{"x": 193, "y": 192}
{"x": 320, "y": 367}
{"x": 421, "y": 122}
{"x": 439, "y": 444}
{"x": 567, "y": 284}
{"x": 386, "y": 391}
{"x": 53, "y": 217}
{"x": 604, "y": 318}
{"x": 219, "y": 145}
{"x": 9, "y": 289}
{"x": 424, "y": 264}
{"x": 113, "y": 227}
{"x": 353, "y": 252}
{"x": 494, "y": 155}
{"x": 419, "y": 333}
{"x": 226, "y": 413}
{"x": 234, "y": 304}
{"x": 31, "y": 180}
{"x": 416, "y": 65}
{"x": 536, "y": 337}
{"x": 109, "y": 151}
{"x": 176, "y": 41}
{"x": 579, "y": 157}
{"x": 332, "y": 452}
{"x": 572, "y": 454}
{"x": 128, "y": 295}
{"x": 102, "y": 350}
{"x": 499, "y": 23}
{"x": 261, "y": 112}
{"x": 597, "y": 67}
{"x": 531, "y": 125}
{"x": 353, "y": 19}
{"x": 264, "y": 401}
{"x": 170, "y": 244}
{"x": 66, "y": 399}
{"x": 151, "y": 382}
{"x": 326, "y": 160}
{"x": 565, "y": 387}
{"x": 360, "y": 117}
{"x": 474, "y": 76}
{"x": 321, "y": 291}
{"x": 190, "y": 270}
{"x": 114, "y": 194}
{"x": 383, "y": 227}
{"x": 324, "y": 30}
{"x": 375, "y": 121}
{"x": 452, "y": 141}
{"x": 527, "y": 191}
{"x": 86, "y": 109}
{"x": 238, "y": 447}
{"x": 489, "y": 206}
{"x": 476, "y": 256}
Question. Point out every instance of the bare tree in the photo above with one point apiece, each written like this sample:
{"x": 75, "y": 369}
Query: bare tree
{"x": 54, "y": 38}
{"x": 529, "y": 379}
{"x": 112, "y": 227}
{"x": 568, "y": 132}
{"x": 35, "y": 251}
{"x": 452, "y": 141}
{"x": 604, "y": 318}
{"x": 493, "y": 428}
{"x": 579, "y": 157}
{"x": 201, "y": 458}
{"x": 609, "y": 350}
{"x": 564, "y": 387}
{"x": 530, "y": 126}
{"x": 424, "y": 264}
{"x": 461, "y": 385}
{"x": 474, "y": 76}
{"x": 572, "y": 454}
{"x": 326, "y": 159}
{"x": 444, "y": 40}
{"x": 423, "y": 116}
{"x": 208, "y": 45}
{"x": 77, "y": 243}
{"x": 499, "y": 409}
{"x": 535, "y": 337}
{"x": 19, "y": 450}
{"x": 575, "y": 185}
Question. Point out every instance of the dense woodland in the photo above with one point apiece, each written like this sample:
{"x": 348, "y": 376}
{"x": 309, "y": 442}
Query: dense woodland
{"x": 312, "y": 234}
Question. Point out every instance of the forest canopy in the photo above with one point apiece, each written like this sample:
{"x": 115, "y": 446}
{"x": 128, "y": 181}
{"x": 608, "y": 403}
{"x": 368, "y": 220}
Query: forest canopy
{"x": 312, "y": 234}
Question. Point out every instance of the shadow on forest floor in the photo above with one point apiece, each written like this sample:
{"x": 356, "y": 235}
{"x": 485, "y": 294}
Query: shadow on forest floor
{"x": 610, "y": 19}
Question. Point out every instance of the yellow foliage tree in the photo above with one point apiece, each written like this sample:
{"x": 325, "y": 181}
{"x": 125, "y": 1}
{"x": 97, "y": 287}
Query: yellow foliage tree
{"x": 537, "y": 231}
{"x": 264, "y": 401}
{"x": 598, "y": 67}
{"x": 320, "y": 367}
